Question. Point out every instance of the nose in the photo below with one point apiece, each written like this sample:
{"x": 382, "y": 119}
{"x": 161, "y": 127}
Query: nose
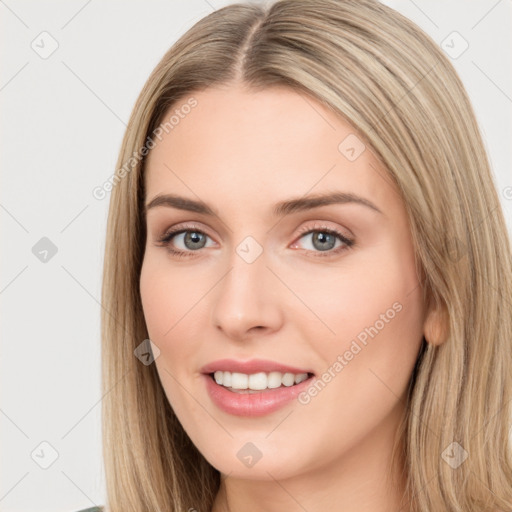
{"x": 246, "y": 301}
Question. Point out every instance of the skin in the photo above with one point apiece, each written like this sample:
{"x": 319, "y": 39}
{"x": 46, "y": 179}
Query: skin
{"x": 241, "y": 152}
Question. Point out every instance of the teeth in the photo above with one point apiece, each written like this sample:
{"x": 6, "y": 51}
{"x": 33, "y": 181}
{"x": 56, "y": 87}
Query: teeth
{"x": 288, "y": 379}
{"x": 238, "y": 380}
{"x": 257, "y": 381}
{"x": 299, "y": 378}
{"x": 274, "y": 380}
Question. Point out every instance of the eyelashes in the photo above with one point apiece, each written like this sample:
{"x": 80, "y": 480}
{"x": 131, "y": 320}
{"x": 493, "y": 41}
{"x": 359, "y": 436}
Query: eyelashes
{"x": 345, "y": 242}
{"x": 194, "y": 236}
{"x": 169, "y": 236}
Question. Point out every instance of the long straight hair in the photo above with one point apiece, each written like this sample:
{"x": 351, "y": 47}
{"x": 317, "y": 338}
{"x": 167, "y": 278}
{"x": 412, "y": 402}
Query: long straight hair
{"x": 390, "y": 81}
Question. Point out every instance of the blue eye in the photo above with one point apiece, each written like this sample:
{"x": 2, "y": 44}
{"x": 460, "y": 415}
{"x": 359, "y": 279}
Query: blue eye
{"x": 191, "y": 239}
{"x": 323, "y": 241}
{"x": 326, "y": 241}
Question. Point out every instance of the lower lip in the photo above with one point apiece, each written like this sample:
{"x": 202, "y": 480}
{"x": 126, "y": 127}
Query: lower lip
{"x": 253, "y": 404}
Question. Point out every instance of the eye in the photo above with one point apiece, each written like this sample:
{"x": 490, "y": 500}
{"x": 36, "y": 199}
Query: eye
{"x": 323, "y": 240}
{"x": 182, "y": 241}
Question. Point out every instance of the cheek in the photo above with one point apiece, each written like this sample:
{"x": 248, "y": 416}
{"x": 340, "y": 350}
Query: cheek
{"x": 167, "y": 296}
{"x": 173, "y": 301}
{"x": 168, "y": 303}
{"x": 156, "y": 304}
{"x": 371, "y": 314}
{"x": 343, "y": 301}
{"x": 376, "y": 314}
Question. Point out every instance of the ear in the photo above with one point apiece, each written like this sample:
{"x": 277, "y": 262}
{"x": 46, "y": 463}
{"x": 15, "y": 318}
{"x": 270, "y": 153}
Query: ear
{"x": 435, "y": 326}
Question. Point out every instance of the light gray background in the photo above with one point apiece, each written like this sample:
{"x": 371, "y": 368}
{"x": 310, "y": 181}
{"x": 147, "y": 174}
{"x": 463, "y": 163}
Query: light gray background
{"x": 63, "y": 118}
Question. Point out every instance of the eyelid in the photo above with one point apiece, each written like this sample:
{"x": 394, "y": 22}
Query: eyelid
{"x": 324, "y": 226}
{"x": 180, "y": 228}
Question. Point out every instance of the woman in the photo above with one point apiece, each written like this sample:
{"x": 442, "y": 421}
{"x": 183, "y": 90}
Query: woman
{"x": 308, "y": 277}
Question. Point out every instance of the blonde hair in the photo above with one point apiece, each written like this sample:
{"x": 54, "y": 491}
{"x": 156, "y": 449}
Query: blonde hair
{"x": 391, "y": 82}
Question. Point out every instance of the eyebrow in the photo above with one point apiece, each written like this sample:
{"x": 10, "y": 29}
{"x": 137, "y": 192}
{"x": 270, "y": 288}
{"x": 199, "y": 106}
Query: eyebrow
{"x": 280, "y": 209}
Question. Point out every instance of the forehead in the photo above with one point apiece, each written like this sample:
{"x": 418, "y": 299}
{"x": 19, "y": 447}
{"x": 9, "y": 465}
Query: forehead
{"x": 262, "y": 146}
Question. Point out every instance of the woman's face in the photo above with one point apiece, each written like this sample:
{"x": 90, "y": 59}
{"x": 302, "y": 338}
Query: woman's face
{"x": 268, "y": 273}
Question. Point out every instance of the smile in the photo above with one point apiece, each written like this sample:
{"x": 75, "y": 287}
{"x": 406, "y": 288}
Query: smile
{"x": 254, "y": 387}
{"x": 240, "y": 382}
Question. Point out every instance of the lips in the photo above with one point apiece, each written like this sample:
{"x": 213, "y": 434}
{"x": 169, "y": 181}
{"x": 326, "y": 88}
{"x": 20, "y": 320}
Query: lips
{"x": 251, "y": 366}
{"x": 252, "y": 403}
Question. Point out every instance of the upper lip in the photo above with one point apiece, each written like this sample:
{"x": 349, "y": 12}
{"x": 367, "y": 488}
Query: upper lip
{"x": 250, "y": 367}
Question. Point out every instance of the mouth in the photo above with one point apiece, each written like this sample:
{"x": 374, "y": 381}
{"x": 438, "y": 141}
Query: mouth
{"x": 259, "y": 382}
{"x": 254, "y": 387}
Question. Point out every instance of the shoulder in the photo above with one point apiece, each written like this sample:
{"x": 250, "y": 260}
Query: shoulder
{"x": 92, "y": 509}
